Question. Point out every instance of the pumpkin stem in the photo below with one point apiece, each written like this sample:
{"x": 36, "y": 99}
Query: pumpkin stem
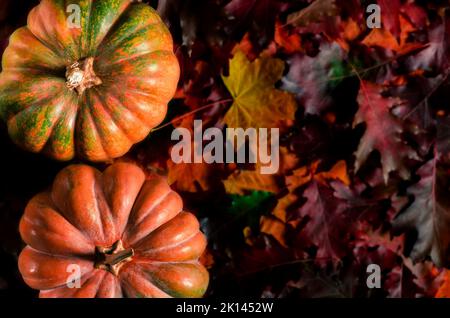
{"x": 112, "y": 258}
{"x": 80, "y": 75}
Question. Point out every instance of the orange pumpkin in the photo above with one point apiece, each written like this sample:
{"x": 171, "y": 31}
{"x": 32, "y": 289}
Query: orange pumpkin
{"x": 87, "y": 78}
{"x": 111, "y": 234}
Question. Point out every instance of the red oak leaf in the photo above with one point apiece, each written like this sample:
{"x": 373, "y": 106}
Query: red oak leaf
{"x": 436, "y": 57}
{"x": 429, "y": 214}
{"x": 383, "y": 131}
{"x": 327, "y": 225}
{"x": 390, "y": 11}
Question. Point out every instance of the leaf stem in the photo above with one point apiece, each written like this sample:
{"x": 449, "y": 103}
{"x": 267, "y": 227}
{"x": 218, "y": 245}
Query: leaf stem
{"x": 177, "y": 119}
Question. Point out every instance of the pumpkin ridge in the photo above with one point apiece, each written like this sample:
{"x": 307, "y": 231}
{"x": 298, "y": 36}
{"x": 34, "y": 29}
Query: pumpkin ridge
{"x": 152, "y": 276}
{"x": 136, "y": 56}
{"x": 105, "y": 14}
{"x": 180, "y": 215}
{"x": 123, "y": 173}
{"x": 87, "y": 34}
{"x": 23, "y": 134}
{"x": 40, "y": 71}
{"x": 139, "y": 259}
{"x": 67, "y": 104}
{"x": 124, "y": 281}
{"x": 158, "y": 284}
{"x": 98, "y": 188}
{"x": 96, "y": 135}
{"x": 51, "y": 140}
{"x": 112, "y": 27}
{"x": 131, "y": 112}
{"x": 124, "y": 291}
{"x": 15, "y": 100}
{"x": 82, "y": 232}
{"x": 20, "y": 51}
{"x": 114, "y": 47}
{"x": 106, "y": 109}
{"x": 69, "y": 177}
{"x": 42, "y": 217}
{"x": 187, "y": 251}
{"x": 45, "y": 43}
{"x": 137, "y": 222}
{"x": 165, "y": 247}
{"x": 40, "y": 102}
{"x": 126, "y": 15}
{"x": 132, "y": 57}
{"x": 99, "y": 282}
{"x": 141, "y": 92}
{"x": 58, "y": 209}
{"x": 106, "y": 275}
{"x": 84, "y": 278}
{"x": 152, "y": 208}
{"x": 103, "y": 134}
{"x": 105, "y": 212}
{"x": 89, "y": 258}
{"x": 36, "y": 252}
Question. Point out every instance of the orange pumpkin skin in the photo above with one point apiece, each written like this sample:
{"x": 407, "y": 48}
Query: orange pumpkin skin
{"x": 126, "y": 234}
{"x": 130, "y": 73}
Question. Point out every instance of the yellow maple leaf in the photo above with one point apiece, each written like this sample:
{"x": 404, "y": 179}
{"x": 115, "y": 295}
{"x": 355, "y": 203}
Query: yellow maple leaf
{"x": 257, "y": 103}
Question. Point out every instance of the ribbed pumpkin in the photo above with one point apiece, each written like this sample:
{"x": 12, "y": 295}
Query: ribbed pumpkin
{"x": 90, "y": 91}
{"x": 122, "y": 234}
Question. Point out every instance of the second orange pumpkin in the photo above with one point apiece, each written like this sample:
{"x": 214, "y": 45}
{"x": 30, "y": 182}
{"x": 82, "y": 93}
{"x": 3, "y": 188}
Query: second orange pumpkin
{"x": 126, "y": 234}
